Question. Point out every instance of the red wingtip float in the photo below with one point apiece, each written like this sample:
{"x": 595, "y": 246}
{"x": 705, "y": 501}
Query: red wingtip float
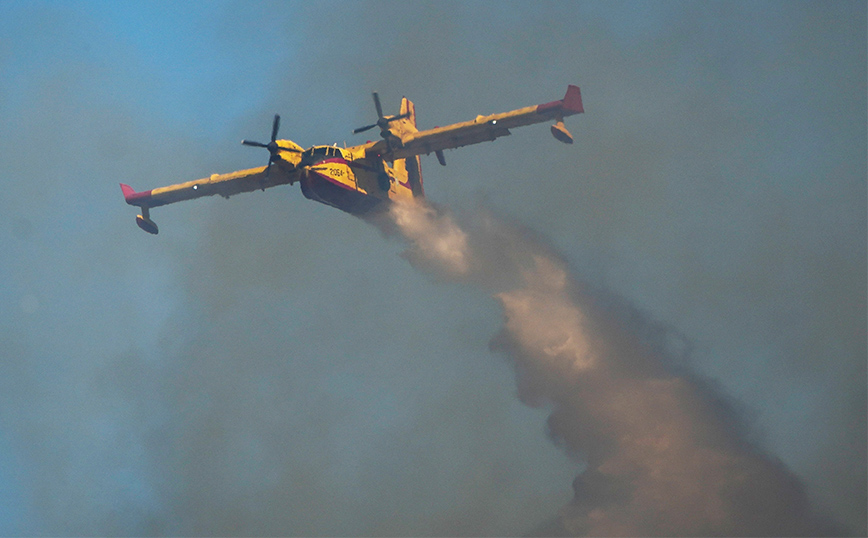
{"x": 141, "y": 199}
{"x": 362, "y": 178}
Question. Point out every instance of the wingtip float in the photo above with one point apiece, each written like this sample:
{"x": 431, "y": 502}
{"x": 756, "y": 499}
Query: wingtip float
{"x": 362, "y": 178}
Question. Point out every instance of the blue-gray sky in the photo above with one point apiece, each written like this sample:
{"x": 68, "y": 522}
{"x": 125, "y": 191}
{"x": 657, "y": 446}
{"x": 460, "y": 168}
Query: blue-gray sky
{"x": 268, "y": 365}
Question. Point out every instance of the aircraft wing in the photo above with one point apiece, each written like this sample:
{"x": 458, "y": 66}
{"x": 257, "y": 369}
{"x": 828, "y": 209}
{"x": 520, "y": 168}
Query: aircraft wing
{"x": 225, "y": 185}
{"x": 483, "y": 128}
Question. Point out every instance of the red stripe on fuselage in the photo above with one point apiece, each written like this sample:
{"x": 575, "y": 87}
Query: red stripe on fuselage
{"x": 317, "y": 175}
{"x": 340, "y": 160}
{"x": 351, "y": 164}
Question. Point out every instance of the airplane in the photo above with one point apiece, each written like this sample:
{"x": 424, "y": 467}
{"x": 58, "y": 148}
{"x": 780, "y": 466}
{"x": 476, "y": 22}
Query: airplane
{"x": 363, "y": 178}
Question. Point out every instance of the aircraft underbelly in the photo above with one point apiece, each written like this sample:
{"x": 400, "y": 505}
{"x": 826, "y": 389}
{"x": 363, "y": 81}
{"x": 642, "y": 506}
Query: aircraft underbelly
{"x": 324, "y": 190}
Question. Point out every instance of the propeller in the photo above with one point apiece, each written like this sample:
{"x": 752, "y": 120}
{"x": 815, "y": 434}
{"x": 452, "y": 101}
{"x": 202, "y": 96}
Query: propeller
{"x": 382, "y": 121}
{"x": 272, "y": 146}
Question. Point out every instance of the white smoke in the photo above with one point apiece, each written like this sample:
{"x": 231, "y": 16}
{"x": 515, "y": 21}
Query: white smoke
{"x": 665, "y": 452}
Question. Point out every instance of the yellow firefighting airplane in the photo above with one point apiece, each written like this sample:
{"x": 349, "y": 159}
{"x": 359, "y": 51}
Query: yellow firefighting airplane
{"x": 361, "y": 178}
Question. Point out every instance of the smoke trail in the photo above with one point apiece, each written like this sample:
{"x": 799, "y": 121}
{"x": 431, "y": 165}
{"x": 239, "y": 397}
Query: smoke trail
{"x": 665, "y": 452}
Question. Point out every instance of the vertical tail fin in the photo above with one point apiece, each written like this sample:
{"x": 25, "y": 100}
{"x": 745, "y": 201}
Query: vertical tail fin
{"x": 412, "y": 164}
{"x": 407, "y": 107}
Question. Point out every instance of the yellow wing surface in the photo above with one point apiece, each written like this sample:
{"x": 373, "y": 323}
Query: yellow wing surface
{"x": 225, "y": 185}
{"x": 482, "y": 129}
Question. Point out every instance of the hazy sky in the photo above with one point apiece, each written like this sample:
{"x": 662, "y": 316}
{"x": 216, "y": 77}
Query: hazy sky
{"x": 269, "y": 365}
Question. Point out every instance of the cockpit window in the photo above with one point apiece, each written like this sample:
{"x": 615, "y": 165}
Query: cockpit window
{"x": 318, "y": 153}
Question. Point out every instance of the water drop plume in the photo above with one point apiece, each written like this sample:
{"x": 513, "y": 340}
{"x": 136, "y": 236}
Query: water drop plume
{"x": 665, "y": 452}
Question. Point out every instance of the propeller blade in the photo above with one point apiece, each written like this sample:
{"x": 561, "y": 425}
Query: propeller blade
{"x": 269, "y": 147}
{"x": 382, "y": 121}
{"x": 365, "y": 128}
{"x": 275, "y": 126}
{"x": 377, "y": 105}
{"x": 401, "y": 117}
{"x": 272, "y": 147}
{"x": 254, "y": 144}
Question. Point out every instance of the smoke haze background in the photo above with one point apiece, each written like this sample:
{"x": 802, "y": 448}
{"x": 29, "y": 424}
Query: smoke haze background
{"x": 268, "y": 365}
